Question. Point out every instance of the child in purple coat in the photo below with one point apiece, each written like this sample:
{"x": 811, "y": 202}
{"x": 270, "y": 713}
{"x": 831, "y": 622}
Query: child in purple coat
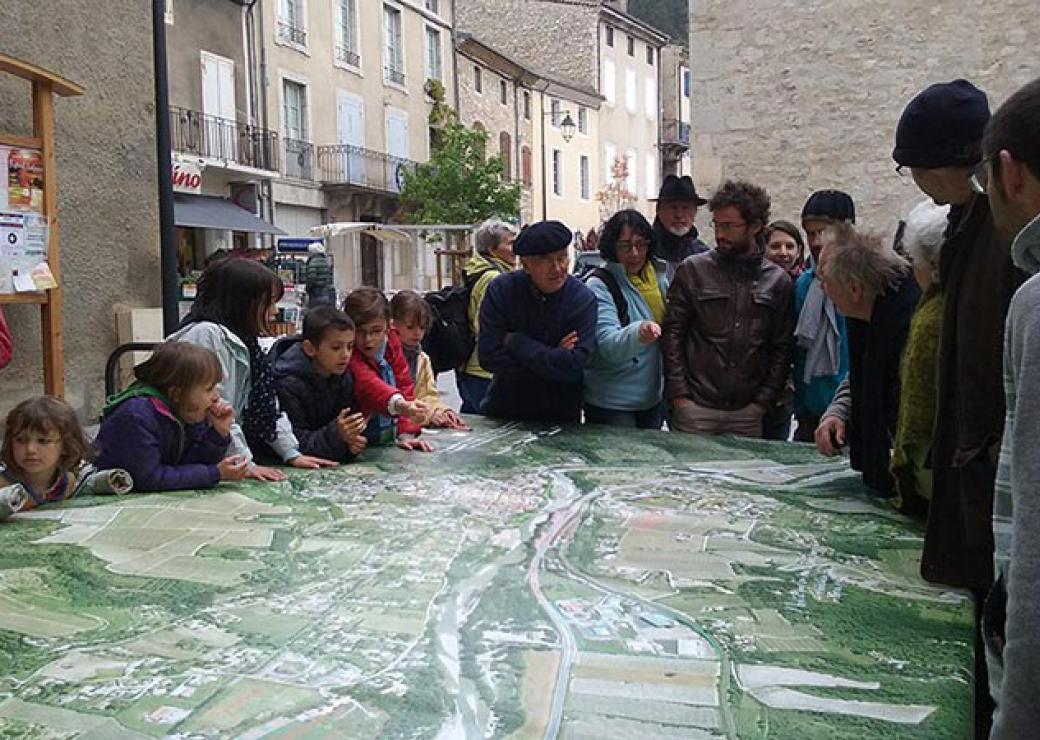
{"x": 171, "y": 429}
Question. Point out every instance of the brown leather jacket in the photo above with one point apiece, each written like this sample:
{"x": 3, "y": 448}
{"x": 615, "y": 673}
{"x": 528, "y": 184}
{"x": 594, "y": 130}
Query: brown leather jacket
{"x": 727, "y": 333}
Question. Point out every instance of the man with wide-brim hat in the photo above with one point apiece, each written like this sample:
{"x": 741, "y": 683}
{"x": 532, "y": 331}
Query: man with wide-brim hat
{"x": 675, "y": 235}
{"x": 537, "y": 331}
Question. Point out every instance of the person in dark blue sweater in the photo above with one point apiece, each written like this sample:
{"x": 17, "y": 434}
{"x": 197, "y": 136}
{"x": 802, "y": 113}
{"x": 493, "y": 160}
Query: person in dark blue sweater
{"x": 537, "y": 331}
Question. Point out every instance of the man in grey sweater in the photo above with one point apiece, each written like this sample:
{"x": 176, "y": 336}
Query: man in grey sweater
{"x": 1010, "y": 173}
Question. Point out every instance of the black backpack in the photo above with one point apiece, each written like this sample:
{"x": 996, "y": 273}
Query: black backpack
{"x": 615, "y": 290}
{"x": 450, "y": 341}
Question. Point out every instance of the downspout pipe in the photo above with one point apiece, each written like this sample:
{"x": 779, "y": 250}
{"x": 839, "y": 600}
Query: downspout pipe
{"x": 171, "y": 284}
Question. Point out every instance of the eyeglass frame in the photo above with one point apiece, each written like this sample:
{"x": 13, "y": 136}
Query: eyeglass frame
{"x": 728, "y": 226}
{"x": 630, "y": 246}
{"x": 979, "y": 176}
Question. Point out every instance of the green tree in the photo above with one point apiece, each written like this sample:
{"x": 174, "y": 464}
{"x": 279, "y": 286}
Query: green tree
{"x": 669, "y": 16}
{"x": 458, "y": 185}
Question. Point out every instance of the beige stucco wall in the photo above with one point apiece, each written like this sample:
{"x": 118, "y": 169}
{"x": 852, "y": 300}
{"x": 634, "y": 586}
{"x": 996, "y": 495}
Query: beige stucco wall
{"x": 107, "y": 191}
{"x": 576, "y": 212}
{"x": 626, "y": 129}
{"x": 803, "y": 96}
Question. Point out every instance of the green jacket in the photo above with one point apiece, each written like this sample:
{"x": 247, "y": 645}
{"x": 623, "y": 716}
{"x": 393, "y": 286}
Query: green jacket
{"x": 487, "y": 269}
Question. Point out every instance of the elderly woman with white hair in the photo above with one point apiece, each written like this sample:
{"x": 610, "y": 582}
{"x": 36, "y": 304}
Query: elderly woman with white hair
{"x": 874, "y": 288}
{"x": 922, "y": 239}
{"x": 493, "y": 244}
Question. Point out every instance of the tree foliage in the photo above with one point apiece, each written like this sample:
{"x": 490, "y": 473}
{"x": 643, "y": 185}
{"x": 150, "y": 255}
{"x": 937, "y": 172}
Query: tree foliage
{"x": 668, "y": 16}
{"x": 458, "y": 185}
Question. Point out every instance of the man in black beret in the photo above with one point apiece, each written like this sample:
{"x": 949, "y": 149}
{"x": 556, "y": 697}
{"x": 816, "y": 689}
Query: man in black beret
{"x": 675, "y": 237}
{"x": 938, "y": 140}
{"x": 537, "y": 331}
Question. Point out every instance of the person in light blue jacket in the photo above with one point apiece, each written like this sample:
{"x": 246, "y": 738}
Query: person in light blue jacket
{"x": 624, "y": 380}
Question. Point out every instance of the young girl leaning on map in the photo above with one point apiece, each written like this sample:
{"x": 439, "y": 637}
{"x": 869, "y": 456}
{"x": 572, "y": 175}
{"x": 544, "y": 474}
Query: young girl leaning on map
{"x": 170, "y": 428}
{"x": 46, "y": 458}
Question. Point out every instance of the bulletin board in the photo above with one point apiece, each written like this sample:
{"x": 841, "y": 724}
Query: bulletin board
{"x": 29, "y": 265}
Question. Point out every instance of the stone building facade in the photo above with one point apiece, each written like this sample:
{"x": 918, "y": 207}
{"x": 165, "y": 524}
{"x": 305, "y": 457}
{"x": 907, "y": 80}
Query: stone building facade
{"x": 108, "y": 206}
{"x": 799, "y": 96}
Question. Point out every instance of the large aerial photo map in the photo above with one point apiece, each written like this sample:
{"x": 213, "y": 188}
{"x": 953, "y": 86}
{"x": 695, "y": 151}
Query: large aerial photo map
{"x": 519, "y": 582}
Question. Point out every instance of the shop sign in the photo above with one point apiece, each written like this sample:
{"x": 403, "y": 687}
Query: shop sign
{"x": 187, "y": 178}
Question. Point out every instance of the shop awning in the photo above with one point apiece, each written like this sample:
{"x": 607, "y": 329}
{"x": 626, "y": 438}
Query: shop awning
{"x": 209, "y": 212}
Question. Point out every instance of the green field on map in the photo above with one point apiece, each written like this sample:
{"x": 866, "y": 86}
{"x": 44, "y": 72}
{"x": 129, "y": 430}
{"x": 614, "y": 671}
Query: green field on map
{"x": 519, "y": 582}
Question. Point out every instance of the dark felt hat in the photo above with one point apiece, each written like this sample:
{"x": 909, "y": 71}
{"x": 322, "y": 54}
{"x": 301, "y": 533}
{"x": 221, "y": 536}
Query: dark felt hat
{"x": 942, "y": 127}
{"x": 542, "y": 238}
{"x": 678, "y": 188}
{"x": 831, "y": 204}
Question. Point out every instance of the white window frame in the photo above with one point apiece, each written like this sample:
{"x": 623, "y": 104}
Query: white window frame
{"x": 555, "y": 112}
{"x": 556, "y": 168}
{"x": 650, "y": 186}
{"x": 427, "y": 31}
{"x": 632, "y": 183}
{"x": 503, "y": 92}
{"x": 433, "y": 6}
{"x": 630, "y": 90}
{"x": 478, "y": 80}
{"x": 650, "y": 85}
{"x": 609, "y": 155}
{"x": 303, "y": 26}
{"x": 354, "y": 46}
{"x": 527, "y": 105}
{"x": 584, "y": 177}
{"x": 387, "y": 67}
{"x": 283, "y": 77}
{"x": 610, "y": 82}
{"x": 583, "y": 120}
{"x": 168, "y": 13}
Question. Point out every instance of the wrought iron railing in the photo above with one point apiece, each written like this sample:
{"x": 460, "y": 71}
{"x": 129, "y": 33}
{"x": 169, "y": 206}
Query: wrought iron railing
{"x": 346, "y": 55}
{"x": 394, "y": 75}
{"x": 288, "y": 31}
{"x": 345, "y": 164}
{"x": 299, "y": 159}
{"x": 193, "y": 132}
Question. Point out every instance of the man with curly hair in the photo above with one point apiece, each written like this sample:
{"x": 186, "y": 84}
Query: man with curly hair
{"x": 727, "y": 332}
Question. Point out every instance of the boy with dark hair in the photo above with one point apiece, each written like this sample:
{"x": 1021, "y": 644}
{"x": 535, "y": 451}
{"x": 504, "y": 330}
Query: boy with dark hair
{"x": 726, "y": 336}
{"x": 314, "y": 388}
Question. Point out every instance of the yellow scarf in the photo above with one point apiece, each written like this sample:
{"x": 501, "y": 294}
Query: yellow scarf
{"x": 646, "y": 283}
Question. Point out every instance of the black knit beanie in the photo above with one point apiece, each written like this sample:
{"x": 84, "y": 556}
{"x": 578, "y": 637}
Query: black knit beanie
{"x": 942, "y": 127}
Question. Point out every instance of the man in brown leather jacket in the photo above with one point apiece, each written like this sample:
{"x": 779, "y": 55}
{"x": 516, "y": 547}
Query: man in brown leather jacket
{"x": 727, "y": 332}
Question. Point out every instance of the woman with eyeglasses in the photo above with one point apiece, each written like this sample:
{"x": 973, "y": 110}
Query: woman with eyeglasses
{"x": 624, "y": 380}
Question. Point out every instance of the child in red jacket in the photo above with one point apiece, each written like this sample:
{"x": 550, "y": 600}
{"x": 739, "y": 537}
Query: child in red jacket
{"x": 383, "y": 388}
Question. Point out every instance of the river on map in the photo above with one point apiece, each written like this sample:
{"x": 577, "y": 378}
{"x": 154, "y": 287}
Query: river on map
{"x": 471, "y": 716}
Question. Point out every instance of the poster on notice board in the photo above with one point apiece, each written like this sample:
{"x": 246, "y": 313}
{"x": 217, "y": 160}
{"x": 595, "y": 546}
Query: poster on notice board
{"x": 24, "y": 231}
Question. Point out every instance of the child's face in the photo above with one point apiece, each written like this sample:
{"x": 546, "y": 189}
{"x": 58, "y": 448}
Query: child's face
{"x": 37, "y": 453}
{"x": 370, "y": 337}
{"x": 332, "y": 355}
{"x": 191, "y": 406}
{"x": 410, "y": 330}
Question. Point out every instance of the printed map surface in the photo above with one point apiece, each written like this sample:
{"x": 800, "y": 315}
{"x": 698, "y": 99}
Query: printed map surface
{"x": 519, "y": 582}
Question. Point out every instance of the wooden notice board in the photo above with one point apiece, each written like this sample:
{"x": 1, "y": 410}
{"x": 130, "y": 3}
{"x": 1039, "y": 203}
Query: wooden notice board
{"x": 30, "y": 270}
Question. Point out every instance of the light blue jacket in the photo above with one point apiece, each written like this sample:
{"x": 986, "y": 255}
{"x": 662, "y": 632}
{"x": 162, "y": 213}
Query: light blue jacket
{"x": 234, "y": 388}
{"x": 624, "y": 375}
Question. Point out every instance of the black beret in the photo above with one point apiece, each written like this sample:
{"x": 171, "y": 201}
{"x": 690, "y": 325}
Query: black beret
{"x": 542, "y": 238}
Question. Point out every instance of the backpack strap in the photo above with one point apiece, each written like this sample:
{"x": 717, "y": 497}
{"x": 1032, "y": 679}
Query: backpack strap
{"x": 615, "y": 292}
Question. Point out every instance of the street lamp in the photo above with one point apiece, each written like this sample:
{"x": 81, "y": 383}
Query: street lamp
{"x": 567, "y": 129}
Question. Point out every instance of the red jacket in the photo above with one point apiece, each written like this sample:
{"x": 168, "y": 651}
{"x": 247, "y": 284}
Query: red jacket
{"x": 5, "y": 341}
{"x": 372, "y": 394}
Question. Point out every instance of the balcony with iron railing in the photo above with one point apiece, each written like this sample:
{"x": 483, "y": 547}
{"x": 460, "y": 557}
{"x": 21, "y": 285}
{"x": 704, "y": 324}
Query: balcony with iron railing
{"x": 675, "y": 133}
{"x": 394, "y": 75}
{"x": 299, "y": 159}
{"x": 193, "y": 132}
{"x": 346, "y": 55}
{"x": 345, "y": 164}
{"x": 291, "y": 33}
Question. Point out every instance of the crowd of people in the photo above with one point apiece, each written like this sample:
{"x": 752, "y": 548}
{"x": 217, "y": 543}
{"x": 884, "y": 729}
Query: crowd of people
{"x": 892, "y": 349}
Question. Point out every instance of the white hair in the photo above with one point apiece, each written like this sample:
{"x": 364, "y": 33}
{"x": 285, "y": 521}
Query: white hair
{"x": 925, "y": 232}
{"x": 490, "y": 234}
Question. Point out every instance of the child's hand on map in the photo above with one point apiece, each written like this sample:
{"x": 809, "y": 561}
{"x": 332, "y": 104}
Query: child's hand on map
{"x": 351, "y": 426}
{"x": 266, "y": 474}
{"x": 414, "y": 411}
{"x": 448, "y": 419}
{"x": 414, "y": 444}
{"x": 357, "y": 445}
{"x": 235, "y": 467}
{"x": 221, "y": 416}
{"x": 309, "y": 462}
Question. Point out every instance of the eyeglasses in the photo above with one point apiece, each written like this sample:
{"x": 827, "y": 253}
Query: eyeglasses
{"x": 729, "y": 226}
{"x": 979, "y": 177}
{"x": 636, "y": 245}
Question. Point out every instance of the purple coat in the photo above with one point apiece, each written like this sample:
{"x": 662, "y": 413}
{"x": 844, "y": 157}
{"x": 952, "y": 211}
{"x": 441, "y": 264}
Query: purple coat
{"x": 143, "y": 437}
